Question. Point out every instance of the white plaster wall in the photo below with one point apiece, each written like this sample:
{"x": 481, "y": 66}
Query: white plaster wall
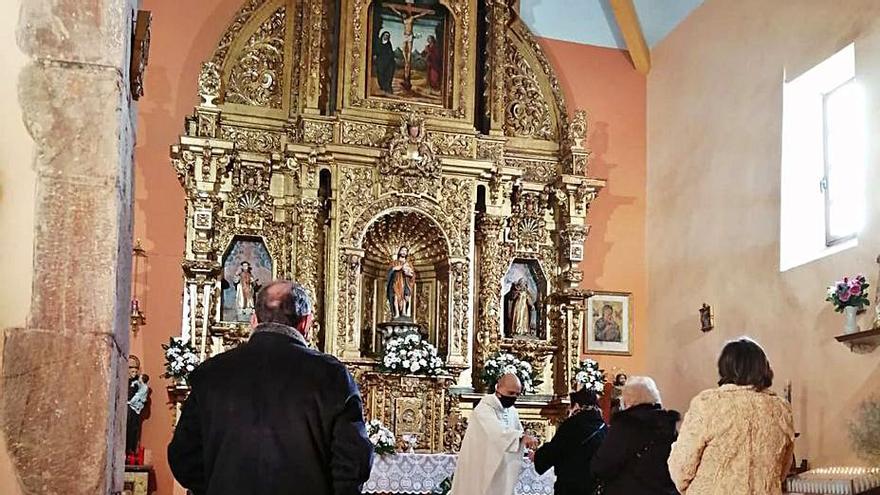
{"x": 17, "y": 180}
{"x": 713, "y": 195}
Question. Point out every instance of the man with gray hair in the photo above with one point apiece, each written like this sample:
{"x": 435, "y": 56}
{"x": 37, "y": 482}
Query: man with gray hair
{"x": 272, "y": 416}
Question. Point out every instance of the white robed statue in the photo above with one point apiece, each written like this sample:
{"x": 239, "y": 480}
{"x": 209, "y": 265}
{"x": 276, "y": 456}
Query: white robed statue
{"x": 494, "y": 445}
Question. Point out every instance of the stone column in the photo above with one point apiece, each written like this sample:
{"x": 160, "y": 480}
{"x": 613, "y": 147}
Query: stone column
{"x": 63, "y": 405}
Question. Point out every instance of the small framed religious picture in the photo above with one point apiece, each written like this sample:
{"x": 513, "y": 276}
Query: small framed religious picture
{"x": 609, "y": 323}
{"x": 706, "y": 321}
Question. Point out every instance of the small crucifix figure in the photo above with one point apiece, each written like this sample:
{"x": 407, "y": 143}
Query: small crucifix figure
{"x": 408, "y": 13}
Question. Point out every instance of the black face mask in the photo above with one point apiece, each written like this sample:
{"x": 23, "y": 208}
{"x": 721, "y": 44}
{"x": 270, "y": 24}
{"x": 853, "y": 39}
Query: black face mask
{"x": 507, "y": 400}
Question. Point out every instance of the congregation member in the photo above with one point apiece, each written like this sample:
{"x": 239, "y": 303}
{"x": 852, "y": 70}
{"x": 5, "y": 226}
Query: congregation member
{"x": 737, "y": 438}
{"x": 632, "y": 459}
{"x": 494, "y": 444}
{"x": 272, "y": 416}
{"x": 571, "y": 450}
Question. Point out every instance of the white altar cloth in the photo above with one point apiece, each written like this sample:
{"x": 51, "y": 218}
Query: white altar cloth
{"x": 422, "y": 473}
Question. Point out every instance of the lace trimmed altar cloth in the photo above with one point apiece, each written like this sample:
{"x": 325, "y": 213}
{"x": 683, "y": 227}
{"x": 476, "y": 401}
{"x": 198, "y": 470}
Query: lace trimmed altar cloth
{"x": 423, "y": 473}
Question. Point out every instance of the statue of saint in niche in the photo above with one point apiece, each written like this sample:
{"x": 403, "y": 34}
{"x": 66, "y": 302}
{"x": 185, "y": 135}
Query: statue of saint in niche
{"x": 400, "y": 286}
{"x": 245, "y": 286}
{"x": 521, "y": 311}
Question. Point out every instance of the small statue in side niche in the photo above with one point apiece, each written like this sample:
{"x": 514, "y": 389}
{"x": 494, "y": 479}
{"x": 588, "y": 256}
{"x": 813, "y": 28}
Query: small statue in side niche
{"x": 521, "y": 311}
{"x": 138, "y": 394}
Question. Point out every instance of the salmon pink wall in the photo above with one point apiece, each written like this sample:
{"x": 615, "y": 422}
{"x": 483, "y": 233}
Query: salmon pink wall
{"x": 599, "y": 80}
{"x": 602, "y": 81}
{"x": 184, "y": 35}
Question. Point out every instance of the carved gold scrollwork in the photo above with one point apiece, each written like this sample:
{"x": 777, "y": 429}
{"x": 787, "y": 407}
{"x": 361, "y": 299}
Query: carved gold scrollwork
{"x": 364, "y": 133}
{"x": 410, "y": 153}
{"x": 256, "y": 77}
{"x": 528, "y": 227}
{"x": 308, "y": 246}
{"x": 209, "y": 83}
{"x": 494, "y": 258}
{"x": 577, "y": 130}
{"x": 258, "y": 140}
{"x": 527, "y": 113}
{"x": 448, "y": 144}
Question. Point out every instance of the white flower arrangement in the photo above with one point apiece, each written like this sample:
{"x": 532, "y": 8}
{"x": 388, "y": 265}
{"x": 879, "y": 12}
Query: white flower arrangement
{"x": 502, "y": 363}
{"x": 409, "y": 354}
{"x": 590, "y": 376}
{"x": 180, "y": 359}
{"x": 381, "y": 437}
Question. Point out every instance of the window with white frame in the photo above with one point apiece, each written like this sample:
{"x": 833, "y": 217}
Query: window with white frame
{"x": 823, "y": 161}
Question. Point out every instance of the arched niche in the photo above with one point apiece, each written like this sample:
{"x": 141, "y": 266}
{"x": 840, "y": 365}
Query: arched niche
{"x": 246, "y": 266}
{"x": 428, "y": 253}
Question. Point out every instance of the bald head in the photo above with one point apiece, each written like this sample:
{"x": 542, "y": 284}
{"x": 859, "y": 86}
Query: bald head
{"x": 508, "y": 385}
{"x": 283, "y": 302}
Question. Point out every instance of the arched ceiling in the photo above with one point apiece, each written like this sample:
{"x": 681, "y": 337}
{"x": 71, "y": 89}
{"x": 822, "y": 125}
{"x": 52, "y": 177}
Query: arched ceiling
{"x": 592, "y": 22}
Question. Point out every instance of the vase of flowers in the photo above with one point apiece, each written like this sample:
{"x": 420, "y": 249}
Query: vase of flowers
{"x": 180, "y": 360}
{"x": 381, "y": 437}
{"x": 410, "y": 354}
{"x": 502, "y": 363}
{"x": 589, "y": 375}
{"x": 849, "y": 296}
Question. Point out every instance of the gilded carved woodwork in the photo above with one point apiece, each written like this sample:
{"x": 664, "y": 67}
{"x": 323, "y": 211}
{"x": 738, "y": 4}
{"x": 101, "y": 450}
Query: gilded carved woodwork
{"x": 527, "y": 113}
{"x": 256, "y": 77}
{"x": 286, "y": 147}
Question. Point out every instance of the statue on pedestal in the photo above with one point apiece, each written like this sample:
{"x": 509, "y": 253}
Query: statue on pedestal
{"x": 400, "y": 286}
{"x": 521, "y": 311}
{"x": 138, "y": 393}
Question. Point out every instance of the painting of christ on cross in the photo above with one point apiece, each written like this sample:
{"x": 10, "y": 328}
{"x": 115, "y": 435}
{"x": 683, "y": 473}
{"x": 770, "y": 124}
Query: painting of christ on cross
{"x": 409, "y": 52}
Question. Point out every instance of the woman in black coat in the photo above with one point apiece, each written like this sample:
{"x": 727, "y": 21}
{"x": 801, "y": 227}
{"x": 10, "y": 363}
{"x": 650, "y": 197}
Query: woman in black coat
{"x": 573, "y": 446}
{"x": 632, "y": 459}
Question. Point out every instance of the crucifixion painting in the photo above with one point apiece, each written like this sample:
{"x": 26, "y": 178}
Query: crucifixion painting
{"x": 409, "y": 52}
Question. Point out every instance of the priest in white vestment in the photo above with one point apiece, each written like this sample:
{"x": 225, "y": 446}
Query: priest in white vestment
{"x": 494, "y": 445}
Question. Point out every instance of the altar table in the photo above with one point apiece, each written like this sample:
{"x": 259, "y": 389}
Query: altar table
{"x": 423, "y": 473}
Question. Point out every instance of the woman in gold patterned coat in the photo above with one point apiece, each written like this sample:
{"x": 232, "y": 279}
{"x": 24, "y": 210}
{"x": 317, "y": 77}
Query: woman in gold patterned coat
{"x": 738, "y": 438}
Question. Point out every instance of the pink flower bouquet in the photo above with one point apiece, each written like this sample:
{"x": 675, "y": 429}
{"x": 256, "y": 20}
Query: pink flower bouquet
{"x": 849, "y": 292}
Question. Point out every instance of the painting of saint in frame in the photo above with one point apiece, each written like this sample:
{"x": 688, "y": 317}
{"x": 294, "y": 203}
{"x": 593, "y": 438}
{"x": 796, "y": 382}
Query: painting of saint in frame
{"x": 409, "y": 51}
{"x": 246, "y": 267}
{"x": 608, "y": 328}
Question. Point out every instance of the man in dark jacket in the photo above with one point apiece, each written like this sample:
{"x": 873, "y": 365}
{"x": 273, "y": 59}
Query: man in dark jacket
{"x": 632, "y": 459}
{"x": 272, "y": 416}
{"x": 572, "y": 448}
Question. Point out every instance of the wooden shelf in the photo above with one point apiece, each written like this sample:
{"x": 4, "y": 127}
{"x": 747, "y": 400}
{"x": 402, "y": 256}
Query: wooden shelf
{"x": 861, "y": 342}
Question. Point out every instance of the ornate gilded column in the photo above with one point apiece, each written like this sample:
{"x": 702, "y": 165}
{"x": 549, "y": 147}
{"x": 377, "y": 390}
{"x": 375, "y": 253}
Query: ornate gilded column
{"x": 308, "y": 249}
{"x": 348, "y": 338}
{"x": 498, "y": 17}
{"x": 457, "y": 352}
{"x": 493, "y": 257}
{"x": 313, "y": 28}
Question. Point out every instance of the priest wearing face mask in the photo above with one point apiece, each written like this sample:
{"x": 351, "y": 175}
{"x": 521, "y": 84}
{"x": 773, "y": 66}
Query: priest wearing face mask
{"x": 492, "y": 451}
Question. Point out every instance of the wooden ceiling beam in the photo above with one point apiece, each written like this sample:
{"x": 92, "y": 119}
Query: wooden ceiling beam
{"x": 628, "y": 22}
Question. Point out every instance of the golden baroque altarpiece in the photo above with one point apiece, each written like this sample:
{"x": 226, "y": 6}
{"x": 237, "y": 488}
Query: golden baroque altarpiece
{"x": 290, "y": 150}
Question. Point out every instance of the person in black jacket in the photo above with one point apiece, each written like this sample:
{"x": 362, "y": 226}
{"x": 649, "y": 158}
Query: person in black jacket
{"x": 572, "y": 448}
{"x": 632, "y": 459}
{"x": 272, "y": 416}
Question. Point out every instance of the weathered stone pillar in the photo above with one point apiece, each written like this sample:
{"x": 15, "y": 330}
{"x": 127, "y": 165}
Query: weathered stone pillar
{"x": 65, "y": 373}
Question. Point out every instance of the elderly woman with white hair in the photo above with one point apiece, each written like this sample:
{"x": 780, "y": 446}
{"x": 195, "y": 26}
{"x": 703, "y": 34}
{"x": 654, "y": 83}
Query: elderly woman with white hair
{"x": 632, "y": 459}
